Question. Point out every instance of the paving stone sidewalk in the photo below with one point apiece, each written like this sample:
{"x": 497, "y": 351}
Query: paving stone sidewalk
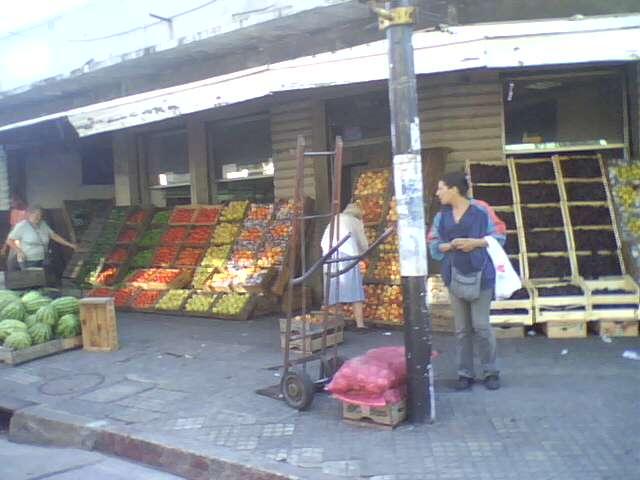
{"x": 568, "y": 409}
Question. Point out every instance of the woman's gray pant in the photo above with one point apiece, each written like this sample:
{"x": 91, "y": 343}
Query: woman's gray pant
{"x": 470, "y": 318}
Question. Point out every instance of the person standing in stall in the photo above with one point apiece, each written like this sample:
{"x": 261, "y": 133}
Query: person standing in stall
{"x": 348, "y": 287}
{"x": 457, "y": 240}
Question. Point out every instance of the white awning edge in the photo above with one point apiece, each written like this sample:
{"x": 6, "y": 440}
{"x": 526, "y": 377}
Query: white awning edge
{"x": 498, "y": 45}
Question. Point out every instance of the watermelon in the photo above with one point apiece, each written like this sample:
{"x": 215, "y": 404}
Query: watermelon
{"x": 14, "y": 310}
{"x": 18, "y": 340}
{"x": 40, "y": 333}
{"x": 47, "y": 314}
{"x": 34, "y": 304}
{"x": 68, "y": 326}
{"x": 30, "y": 319}
{"x": 7, "y": 327}
{"x": 30, "y": 295}
{"x": 65, "y": 305}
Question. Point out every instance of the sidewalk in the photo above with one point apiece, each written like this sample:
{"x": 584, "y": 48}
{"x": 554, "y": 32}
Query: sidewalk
{"x": 179, "y": 395}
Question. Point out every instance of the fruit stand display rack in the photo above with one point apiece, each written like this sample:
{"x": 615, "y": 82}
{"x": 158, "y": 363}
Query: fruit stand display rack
{"x": 570, "y": 253}
{"x": 201, "y": 260}
{"x": 383, "y": 290}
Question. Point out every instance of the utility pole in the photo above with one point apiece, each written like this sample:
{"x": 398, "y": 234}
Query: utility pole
{"x": 398, "y": 20}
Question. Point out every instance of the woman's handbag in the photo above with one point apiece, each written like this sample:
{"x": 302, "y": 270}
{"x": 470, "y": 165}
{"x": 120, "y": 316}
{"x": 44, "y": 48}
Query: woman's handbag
{"x": 465, "y": 286}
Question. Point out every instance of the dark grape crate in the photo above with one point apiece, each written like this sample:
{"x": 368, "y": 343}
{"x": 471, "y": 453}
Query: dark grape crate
{"x": 482, "y": 173}
{"x": 509, "y": 311}
{"x": 581, "y": 168}
{"x": 586, "y": 215}
{"x": 509, "y": 218}
{"x": 560, "y": 291}
{"x": 494, "y": 196}
{"x": 522, "y": 294}
{"x": 595, "y": 240}
{"x": 546, "y": 242}
{"x": 538, "y": 193}
{"x": 535, "y": 171}
{"x": 585, "y": 192}
{"x": 511, "y": 244}
{"x": 549, "y": 267}
{"x": 594, "y": 266}
{"x": 543, "y": 217}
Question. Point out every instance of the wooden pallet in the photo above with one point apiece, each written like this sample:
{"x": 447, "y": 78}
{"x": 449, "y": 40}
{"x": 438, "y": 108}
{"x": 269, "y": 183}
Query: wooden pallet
{"x": 559, "y": 329}
{"x": 300, "y": 346}
{"x": 615, "y": 328}
{"x": 16, "y": 357}
{"x": 513, "y": 330}
{"x": 388, "y": 416}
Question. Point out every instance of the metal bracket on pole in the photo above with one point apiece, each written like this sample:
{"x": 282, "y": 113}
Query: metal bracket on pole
{"x": 393, "y": 16}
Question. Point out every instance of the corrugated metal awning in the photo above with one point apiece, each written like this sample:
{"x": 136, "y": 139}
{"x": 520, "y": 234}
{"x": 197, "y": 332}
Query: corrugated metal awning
{"x": 498, "y": 45}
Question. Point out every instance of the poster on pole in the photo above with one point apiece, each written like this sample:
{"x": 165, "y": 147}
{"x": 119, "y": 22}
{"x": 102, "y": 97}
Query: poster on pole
{"x": 407, "y": 175}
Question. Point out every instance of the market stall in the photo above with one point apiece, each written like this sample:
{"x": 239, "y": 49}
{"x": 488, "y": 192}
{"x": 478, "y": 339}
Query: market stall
{"x": 209, "y": 260}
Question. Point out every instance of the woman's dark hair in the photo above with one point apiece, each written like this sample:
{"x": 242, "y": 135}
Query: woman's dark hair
{"x": 458, "y": 180}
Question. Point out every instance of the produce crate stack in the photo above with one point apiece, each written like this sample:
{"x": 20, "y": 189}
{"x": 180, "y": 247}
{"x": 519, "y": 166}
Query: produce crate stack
{"x": 383, "y": 290}
{"x": 207, "y": 260}
{"x": 492, "y": 182}
{"x": 102, "y": 247}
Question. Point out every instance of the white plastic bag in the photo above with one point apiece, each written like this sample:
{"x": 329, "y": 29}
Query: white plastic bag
{"x": 507, "y": 280}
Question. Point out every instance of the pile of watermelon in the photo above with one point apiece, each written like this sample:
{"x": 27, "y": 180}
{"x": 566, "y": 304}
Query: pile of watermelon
{"x": 33, "y": 318}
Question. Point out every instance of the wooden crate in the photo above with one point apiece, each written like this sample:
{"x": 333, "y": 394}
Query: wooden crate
{"x": 16, "y": 357}
{"x": 99, "y": 324}
{"x": 560, "y": 308}
{"x": 388, "y": 416}
{"x": 555, "y": 329}
{"x": 312, "y": 343}
{"x": 314, "y": 323}
{"x": 616, "y": 328}
{"x": 181, "y": 281}
{"x": 504, "y": 311}
{"x": 508, "y": 330}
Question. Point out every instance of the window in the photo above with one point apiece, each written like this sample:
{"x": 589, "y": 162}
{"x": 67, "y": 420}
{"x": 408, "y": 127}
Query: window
{"x": 562, "y": 111}
{"x": 241, "y": 148}
{"x": 167, "y": 153}
{"x": 96, "y": 155}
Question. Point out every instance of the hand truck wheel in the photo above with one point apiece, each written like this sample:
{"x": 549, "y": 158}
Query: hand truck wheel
{"x": 297, "y": 389}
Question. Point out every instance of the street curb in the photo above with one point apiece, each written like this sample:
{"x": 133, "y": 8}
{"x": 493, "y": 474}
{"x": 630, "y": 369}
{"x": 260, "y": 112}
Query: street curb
{"x": 42, "y": 425}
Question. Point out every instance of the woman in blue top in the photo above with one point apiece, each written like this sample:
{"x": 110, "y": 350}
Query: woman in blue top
{"x": 457, "y": 239}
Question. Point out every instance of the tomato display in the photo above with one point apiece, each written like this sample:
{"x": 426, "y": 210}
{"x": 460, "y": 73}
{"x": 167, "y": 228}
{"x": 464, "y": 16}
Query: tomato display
{"x": 259, "y": 211}
{"x": 119, "y": 255}
{"x": 375, "y": 182}
{"x": 107, "y": 276}
{"x": 128, "y": 235}
{"x": 156, "y": 275}
{"x": 280, "y": 230}
{"x": 164, "y": 256}
{"x": 175, "y": 235}
{"x": 207, "y": 215}
{"x": 123, "y": 296}
{"x": 147, "y": 299}
{"x": 199, "y": 235}
{"x": 251, "y": 234}
{"x": 270, "y": 256}
{"x": 182, "y": 215}
{"x": 189, "y": 257}
{"x": 138, "y": 217}
{"x": 100, "y": 292}
{"x": 244, "y": 258}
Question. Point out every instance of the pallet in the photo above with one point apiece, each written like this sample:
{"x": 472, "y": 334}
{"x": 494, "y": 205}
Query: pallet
{"x": 299, "y": 324}
{"x": 312, "y": 343}
{"x": 16, "y": 357}
{"x": 615, "y": 328}
{"x": 508, "y": 330}
{"x": 388, "y": 416}
{"x": 555, "y": 329}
